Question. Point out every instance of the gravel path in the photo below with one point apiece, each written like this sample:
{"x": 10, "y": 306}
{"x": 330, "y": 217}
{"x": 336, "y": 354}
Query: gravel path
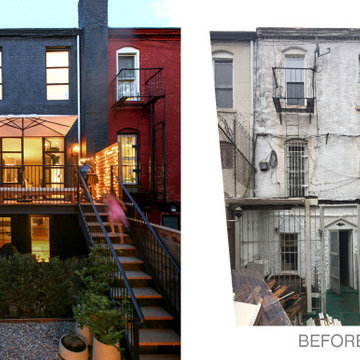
{"x": 31, "y": 340}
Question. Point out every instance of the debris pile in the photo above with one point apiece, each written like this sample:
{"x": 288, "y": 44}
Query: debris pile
{"x": 322, "y": 320}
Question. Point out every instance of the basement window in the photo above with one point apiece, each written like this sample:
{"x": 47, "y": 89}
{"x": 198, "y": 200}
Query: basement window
{"x": 57, "y": 74}
{"x": 296, "y": 168}
{"x": 5, "y": 230}
{"x": 289, "y": 251}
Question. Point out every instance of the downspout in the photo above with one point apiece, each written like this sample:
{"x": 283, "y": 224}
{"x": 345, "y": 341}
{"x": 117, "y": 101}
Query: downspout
{"x": 78, "y": 93}
{"x": 252, "y": 111}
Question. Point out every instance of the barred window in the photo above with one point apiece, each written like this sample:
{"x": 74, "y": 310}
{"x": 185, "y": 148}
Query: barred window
{"x": 296, "y": 168}
{"x": 289, "y": 251}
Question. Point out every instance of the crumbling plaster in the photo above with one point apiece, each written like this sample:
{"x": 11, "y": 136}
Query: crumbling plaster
{"x": 334, "y": 132}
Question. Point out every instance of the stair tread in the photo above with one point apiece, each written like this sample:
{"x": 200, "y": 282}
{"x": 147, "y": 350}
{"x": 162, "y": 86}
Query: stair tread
{"x": 130, "y": 260}
{"x": 137, "y": 274}
{"x": 93, "y": 214}
{"x": 158, "y": 337}
{"x": 100, "y": 234}
{"x": 159, "y": 356}
{"x": 140, "y": 293}
{"x": 155, "y": 313}
{"x": 123, "y": 247}
{"x": 96, "y": 223}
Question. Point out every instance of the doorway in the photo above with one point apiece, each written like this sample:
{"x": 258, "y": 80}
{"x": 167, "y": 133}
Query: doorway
{"x": 341, "y": 264}
{"x": 345, "y": 258}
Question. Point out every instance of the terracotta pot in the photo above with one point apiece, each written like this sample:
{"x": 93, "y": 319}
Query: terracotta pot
{"x": 71, "y": 355}
{"x": 85, "y": 334}
{"x": 101, "y": 351}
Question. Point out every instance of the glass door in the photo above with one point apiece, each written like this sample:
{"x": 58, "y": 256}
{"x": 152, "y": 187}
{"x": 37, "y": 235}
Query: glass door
{"x": 54, "y": 159}
{"x": 40, "y": 237}
{"x": 11, "y": 161}
{"x": 33, "y": 159}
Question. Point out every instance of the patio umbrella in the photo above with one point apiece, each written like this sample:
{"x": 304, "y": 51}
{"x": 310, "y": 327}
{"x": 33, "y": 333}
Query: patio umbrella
{"x": 35, "y": 125}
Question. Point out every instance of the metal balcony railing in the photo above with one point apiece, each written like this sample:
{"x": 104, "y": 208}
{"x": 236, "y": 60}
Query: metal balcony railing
{"x": 293, "y": 89}
{"x": 138, "y": 84}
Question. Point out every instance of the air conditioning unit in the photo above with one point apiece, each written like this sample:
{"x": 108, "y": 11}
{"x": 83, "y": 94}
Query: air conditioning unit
{"x": 260, "y": 266}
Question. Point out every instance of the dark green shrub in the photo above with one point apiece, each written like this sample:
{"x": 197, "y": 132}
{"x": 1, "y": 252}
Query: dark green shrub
{"x": 37, "y": 289}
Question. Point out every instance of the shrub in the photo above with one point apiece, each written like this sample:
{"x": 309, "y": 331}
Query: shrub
{"x": 29, "y": 288}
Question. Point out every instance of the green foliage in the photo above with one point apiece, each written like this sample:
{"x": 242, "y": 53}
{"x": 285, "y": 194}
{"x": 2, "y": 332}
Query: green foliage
{"x": 29, "y": 288}
{"x": 104, "y": 320}
{"x": 73, "y": 342}
{"x": 95, "y": 310}
{"x": 97, "y": 272}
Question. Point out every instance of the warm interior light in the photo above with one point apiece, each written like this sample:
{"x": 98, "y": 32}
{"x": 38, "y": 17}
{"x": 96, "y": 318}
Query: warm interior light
{"x": 75, "y": 149}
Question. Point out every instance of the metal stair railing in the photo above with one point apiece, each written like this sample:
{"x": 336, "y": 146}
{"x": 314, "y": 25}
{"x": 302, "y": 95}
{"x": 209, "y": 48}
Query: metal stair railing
{"x": 135, "y": 317}
{"x": 160, "y": 263}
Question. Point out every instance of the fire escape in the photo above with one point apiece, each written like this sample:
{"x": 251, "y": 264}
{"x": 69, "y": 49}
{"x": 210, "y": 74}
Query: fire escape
{"x": 294, "y": 90}
{"x": 141, "y": 90}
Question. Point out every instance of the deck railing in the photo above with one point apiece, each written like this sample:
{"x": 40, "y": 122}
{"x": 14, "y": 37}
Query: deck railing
{"x": 160, "y": 263}
{"x": 39, "y": 184}
{"x": 134, "y": 317}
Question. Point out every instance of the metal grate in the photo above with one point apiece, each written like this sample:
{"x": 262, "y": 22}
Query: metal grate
{"x": 296, "y": 168}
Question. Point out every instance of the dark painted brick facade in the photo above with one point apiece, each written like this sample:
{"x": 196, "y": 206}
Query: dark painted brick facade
{"x": 94, "y": 73}
{"x": 24, "y": 72}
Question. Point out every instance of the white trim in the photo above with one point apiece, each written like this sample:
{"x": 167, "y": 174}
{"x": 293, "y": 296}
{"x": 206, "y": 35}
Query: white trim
{"x": 126, "y": 51}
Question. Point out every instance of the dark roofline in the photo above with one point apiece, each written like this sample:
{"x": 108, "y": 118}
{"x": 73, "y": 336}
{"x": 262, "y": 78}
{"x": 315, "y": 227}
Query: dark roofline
{"x": 37, "y": 32}
{"x": 232, "y": 36}
{"x": 145, "y": 33}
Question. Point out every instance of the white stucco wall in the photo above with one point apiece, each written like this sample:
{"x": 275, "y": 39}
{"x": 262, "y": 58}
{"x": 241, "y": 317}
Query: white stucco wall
{"x": 334, "y": 132}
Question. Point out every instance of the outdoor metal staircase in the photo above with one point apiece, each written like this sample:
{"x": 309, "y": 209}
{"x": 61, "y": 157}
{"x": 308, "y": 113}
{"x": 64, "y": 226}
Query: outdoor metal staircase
{"x": 152, "y": 331}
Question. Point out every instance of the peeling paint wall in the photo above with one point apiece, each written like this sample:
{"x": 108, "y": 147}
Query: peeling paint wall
{"x": 333, "y": 135}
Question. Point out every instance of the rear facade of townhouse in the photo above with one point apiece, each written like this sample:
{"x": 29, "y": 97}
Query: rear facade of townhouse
{"x": 300, "y": 217}
{"x": 56, "y": 107}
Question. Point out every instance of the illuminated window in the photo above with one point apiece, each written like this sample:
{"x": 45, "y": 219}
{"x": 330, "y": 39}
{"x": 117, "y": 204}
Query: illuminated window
{"x": 57, "y": 74}
{"x": 40, "y": 237}
{"x": 5, "y": 230}
{"x": 128, "y": 157}
{"x": 128, "y": 73}
{"x": 1, "y": 95}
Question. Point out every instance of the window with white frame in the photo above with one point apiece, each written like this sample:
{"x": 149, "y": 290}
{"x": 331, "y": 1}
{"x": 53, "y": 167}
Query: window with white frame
{"x": 128, "y": 78}
{"x": 1, "y": 83}
{"x": 296, "y": 167}
{"x": 223, "y": 73}
{"x": 295, "y": 80}
{"x": 289, "y": 251}
{"x": 128, "y": 158}
{"x": 57, "y": 74}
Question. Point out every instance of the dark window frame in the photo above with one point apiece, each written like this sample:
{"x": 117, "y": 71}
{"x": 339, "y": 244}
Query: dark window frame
{"x": 57, "y": 49}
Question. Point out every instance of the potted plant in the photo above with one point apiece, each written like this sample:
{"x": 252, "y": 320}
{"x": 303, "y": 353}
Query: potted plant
{"x": 73, "y": 347}
{"x": 95, "y": 276}
{"x": 105, "y": 321}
